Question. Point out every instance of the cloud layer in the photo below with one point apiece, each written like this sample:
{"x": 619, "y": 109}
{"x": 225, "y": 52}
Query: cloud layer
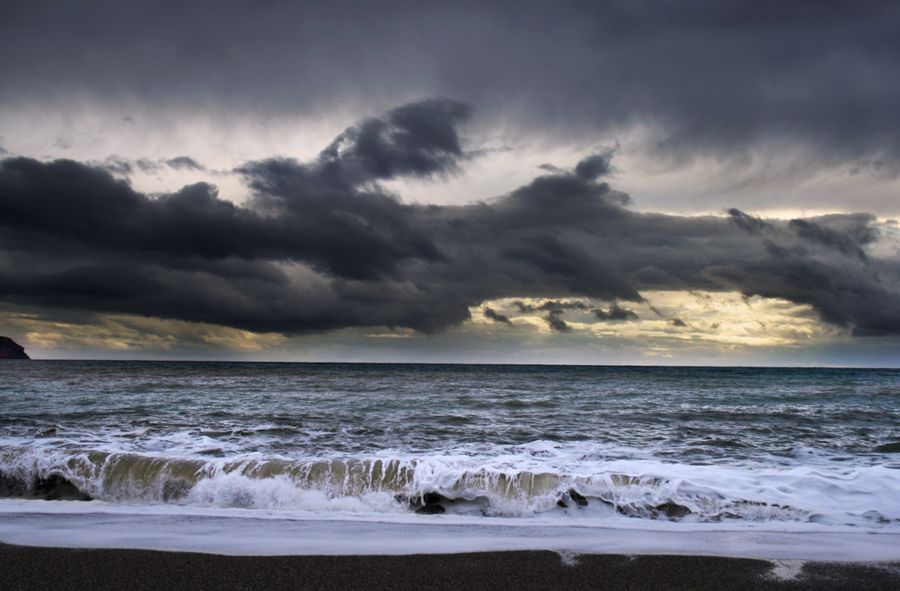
{"x": 321, "y": 245}
{"x": 717, "y": 76}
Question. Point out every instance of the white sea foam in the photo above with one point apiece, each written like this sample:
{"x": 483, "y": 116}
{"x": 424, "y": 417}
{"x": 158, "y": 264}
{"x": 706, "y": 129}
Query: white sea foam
{"x": 497, "y": 481}
{"x": 252, "y": 532}
{"x": 786, "y": 570}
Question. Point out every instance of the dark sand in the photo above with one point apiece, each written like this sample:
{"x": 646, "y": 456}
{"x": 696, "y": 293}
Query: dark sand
{"x": 53, "y": 568}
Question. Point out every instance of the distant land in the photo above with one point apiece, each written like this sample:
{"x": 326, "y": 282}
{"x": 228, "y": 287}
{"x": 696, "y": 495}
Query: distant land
{"x": 9, "y": 349}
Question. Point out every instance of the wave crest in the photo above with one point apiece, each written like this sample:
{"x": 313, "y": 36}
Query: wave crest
{"x": 424, "y": 484}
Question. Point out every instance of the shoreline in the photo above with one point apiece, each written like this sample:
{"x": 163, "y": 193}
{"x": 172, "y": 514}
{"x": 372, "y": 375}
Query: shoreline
{"x": 236, "y": 532}
{"x": 29, "y": 567}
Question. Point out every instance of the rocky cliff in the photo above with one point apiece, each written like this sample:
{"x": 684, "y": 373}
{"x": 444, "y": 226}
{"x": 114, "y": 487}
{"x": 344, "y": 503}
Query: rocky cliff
{"x": 9, "y": 349}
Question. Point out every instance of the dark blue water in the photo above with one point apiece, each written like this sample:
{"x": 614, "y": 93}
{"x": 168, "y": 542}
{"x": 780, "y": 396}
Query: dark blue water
{"x": 718, "y": 441}
{"x": 687, "y": 413}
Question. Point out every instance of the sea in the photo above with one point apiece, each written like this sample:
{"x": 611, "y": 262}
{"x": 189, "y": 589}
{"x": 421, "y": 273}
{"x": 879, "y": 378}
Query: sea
{"x": 297, "y": 458}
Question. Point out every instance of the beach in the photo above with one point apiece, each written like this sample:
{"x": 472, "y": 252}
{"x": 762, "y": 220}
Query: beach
{"x": 41, "y": 568}
{"x": 495, "y": 295}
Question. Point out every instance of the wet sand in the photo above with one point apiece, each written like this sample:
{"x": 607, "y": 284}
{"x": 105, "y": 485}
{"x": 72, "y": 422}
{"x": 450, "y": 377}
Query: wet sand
{"x": 24, "y": 567}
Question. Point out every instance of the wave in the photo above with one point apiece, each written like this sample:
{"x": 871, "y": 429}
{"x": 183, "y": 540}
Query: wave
{"x": 494, "y": 487}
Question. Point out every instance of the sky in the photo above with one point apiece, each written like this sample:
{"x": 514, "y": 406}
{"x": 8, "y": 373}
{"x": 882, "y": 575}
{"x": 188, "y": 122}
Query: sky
{"x": 606, "y": 182}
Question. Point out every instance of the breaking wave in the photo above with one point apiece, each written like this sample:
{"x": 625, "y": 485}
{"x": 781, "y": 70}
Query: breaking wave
{"x": 498, "y": 485}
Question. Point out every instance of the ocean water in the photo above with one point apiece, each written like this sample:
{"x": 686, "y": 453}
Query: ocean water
{"x": 450, "y": 448}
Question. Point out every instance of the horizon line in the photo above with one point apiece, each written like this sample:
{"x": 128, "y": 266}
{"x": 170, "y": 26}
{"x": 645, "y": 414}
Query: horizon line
{"x": 460, "y": 363}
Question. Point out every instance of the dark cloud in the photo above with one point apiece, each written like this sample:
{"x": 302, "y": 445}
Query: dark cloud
{"x": 417, "y": 139}
{"x": 749, "y": 223}
{"x": 148, "y": 166}
{"x": 593, "y": 167}
{"x": 555, "y": 321}
{"x": 322, "y": 245}
{"x": 184, "y": 163}
{"x": 178, "y": 163}
{"x": 116, "y": 165}
{"x": 849, "y": 240}
{"x": 551, "y": 306}
{"x": 673, "y": 320}
{"x": 496, "y": 316}
{"x": 125, "y": 167}
{"x": 615, "y": 312}
{"x": 556, "y": 309}
{"x": 718, "y": 77}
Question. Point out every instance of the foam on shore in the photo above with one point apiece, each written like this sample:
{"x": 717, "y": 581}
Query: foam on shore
{"x": 251, "y": 532}
{"x": 539, "y": 479}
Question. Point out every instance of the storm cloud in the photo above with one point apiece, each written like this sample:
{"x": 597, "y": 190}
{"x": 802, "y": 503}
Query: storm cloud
{"x": 719, "y": 77}
{"x": 322, "y": 245}
{"x": 615, "y": 312}
{"x": 496, "y": 316}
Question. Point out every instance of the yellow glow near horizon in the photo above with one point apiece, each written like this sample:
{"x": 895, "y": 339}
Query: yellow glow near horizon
{"x": 135, "y": 333}
{"x": 714, "y": 317}
{"x": 667, "y": 322}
